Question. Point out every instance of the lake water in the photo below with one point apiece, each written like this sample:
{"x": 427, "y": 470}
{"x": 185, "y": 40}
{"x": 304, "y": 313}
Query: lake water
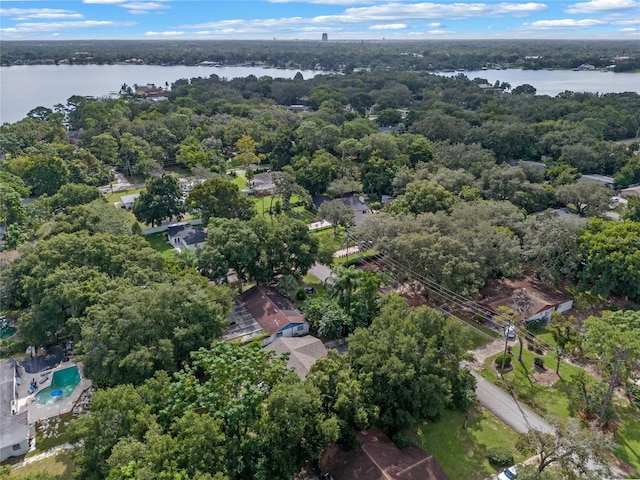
{"x": 23, "y": 88}
{"x": 553, "y": 82}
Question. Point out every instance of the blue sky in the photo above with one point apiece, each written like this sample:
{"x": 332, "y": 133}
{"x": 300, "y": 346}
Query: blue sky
{"x": 307, "y": 20}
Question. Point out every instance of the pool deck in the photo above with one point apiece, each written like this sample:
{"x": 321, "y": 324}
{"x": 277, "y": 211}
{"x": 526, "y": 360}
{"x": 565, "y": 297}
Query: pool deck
{"x": 37, "y": 411}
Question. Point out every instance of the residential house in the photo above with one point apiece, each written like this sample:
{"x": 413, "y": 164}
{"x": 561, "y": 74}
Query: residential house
{"x": 541, "y": 300}
{"x": 187, "y": 236}
{"x": 360, "y": 209}
{"x": 263, "y": 184}
{"x": 127, "y": 200}
{"x": 630, "y": 192}
{"x": 303, "y": 352}
{"x": 379, "y": 459}
{"x": 16, "y": 435}
{"x": 262, "y": 312}
{"x": 598, "y": 179}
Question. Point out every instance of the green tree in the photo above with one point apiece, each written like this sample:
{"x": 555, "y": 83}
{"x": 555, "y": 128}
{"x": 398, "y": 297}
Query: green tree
{"x": 631, "y": 211}
{"x": 343, "y": 395}
{"x": 550, "y": 244}
{"x": 564, "y": 334}
{"x": 586, "y": 198}
{"x": 246, "y": 151}
{"x": 230, "y": 383}
{"x": 11, "y": 209}
{"x": 613, "y": 341}
{"x": 231, "y": 244}
{"x": 336, "y": 213}
{"x": 572, "y": 447}
{"x": 43, "y": 174}
{"x": 221, "y": 199}
{"x": 611, "y": 255}
{"x": 71, "y": 195}
{"x": 411, "y": 357}
{"x": 294, "y": 421}
{"x": 160, "y": 200}
{"x": 133, "y": 331}
{"x": 423, "y": 196}
{"x": 357, "y": 293}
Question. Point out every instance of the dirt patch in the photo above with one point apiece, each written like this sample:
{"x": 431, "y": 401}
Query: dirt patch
{"x": 546, "y": 377}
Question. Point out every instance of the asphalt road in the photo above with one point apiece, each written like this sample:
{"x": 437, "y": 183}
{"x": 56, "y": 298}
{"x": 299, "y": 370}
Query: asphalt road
{"x": 505, "y": 407}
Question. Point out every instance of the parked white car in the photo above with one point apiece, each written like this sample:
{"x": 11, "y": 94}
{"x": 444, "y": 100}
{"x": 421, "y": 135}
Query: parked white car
{"x": 510, "y": 331}
{"x": 509, "y": 473}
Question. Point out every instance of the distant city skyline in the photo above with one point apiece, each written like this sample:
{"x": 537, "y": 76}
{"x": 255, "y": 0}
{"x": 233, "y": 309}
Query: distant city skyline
{"x": 309, "y": 20}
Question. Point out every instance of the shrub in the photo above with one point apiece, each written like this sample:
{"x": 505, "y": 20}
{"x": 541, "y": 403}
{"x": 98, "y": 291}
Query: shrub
{"x": 301, "y": 295}
{"x": 539, "y": 362}
{"x": 500, "y": 456}
{"x": 503, "y": 360}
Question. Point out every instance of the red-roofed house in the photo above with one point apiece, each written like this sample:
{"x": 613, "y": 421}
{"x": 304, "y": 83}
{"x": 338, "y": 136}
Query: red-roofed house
{"x": 270, "y": 312}
{"x": 542, "y": 299}
{"x": 379, "y": 459}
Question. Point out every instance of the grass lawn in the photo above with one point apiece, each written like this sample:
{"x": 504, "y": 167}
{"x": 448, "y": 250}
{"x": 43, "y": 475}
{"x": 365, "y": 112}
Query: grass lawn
{"x": 462, "y": 453}
{"x": 159, "y": 243}
{"x": 311, "y": 281}
{"x": 59, "y": 464}
{"x": 115, "y": 196}
{"x": 628, "y": 436}
{"x": 551, "y": 401}
{"x": 240, "y": 182}
{"x": 547, "y": 401}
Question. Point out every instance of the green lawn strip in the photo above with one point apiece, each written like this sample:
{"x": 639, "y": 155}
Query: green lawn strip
{"x": 59, "y": 464}
{"x": 546, "y": 337}
{"x": 158, "y": 242}
{"x": 462, "y": 453}
{"x": 328, "y": 240}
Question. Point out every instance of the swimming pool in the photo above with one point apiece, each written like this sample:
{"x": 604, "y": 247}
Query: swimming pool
{"x": 63, "y": 383}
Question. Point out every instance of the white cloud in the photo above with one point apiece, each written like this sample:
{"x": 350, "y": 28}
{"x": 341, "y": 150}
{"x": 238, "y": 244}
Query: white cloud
{"x": 439, "y": 32}
{"x": 596, "y": 6}
{"x": 435, "y": 24}
{"x": 628, "y": 30}
{"x": 329, "y": 2}
{"x": 46, "y": 27}
{"x": 166, "y": 34}
{"x": 565, "y": 23}
{"x": 143, "y": 7}
{"x": 104, "y": 2}
{"x": 388, "y": 26}
{"x": 387, "y": 13}
{"x": 20, "y": 14}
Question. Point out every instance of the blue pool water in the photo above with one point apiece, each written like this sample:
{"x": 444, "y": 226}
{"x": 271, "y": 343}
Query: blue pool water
{"x": 63, "y": 383}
